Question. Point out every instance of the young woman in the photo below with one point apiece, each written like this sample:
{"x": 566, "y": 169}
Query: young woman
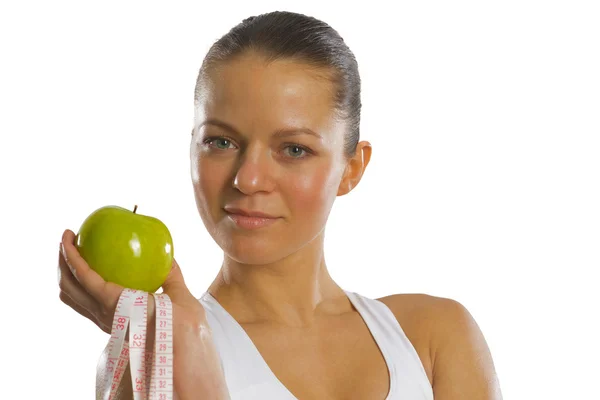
{"x": 275, "y": 141}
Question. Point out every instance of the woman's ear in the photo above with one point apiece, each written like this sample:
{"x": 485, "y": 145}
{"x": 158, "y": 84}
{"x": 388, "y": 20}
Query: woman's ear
{"x": 355, "y": 168}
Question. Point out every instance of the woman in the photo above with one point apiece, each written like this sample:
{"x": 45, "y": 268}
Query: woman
{"x": 275, "y": 141}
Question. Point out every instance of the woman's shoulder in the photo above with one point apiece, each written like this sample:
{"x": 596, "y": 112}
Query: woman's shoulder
{"x": 449, "y": 342}
{"x": 422, "y": 311}
{"x": 422, "y": 317}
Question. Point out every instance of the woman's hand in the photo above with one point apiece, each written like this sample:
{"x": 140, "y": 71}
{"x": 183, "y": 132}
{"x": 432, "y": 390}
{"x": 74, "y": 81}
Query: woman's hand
{"x": 197, "y": 370}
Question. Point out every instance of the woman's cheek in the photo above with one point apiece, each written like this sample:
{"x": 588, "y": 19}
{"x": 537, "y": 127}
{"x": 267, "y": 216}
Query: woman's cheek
{"x": 209, "y": 185}
{"x": 310, "y": 193}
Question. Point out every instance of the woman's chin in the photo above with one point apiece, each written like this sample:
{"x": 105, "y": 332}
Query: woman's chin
{"x": 251, "y": 250}
{"x": 253, "y": 257}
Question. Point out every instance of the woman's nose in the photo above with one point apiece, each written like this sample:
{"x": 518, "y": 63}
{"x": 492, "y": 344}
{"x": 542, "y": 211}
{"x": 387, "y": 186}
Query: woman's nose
{"x": 255, "y": 172}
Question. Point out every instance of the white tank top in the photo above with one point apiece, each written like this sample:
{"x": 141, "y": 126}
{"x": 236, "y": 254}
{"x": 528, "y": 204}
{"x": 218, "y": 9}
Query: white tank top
{"x": 249, "y": 377}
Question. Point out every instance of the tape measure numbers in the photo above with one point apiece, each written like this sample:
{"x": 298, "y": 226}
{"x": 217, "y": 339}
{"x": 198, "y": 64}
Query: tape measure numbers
{"x": 151, "y": 371}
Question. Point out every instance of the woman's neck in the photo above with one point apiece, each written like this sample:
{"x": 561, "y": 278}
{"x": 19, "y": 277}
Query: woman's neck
{"x": 293, "y": 291}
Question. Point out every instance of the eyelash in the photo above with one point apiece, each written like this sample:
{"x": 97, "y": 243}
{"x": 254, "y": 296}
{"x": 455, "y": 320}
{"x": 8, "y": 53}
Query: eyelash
{"x": 306, "y": 150}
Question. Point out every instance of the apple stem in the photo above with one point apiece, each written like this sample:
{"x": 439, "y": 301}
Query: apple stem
{"x": 135, "y": 208}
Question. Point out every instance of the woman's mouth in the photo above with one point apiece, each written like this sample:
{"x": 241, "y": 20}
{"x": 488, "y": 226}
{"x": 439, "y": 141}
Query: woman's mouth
{"x": 250, "y": 220}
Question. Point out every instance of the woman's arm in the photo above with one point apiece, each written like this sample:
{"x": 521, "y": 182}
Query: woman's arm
{"x": 462, "y": 363}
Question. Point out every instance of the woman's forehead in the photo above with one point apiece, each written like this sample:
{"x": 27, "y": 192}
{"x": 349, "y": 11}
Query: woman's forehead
{"x": 280, "y": 93}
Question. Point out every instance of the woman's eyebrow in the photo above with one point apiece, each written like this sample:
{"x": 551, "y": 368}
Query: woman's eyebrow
{"x": 279, "y": 133}
{"x": 220, "y": 124}
{"x": 296, "y": 131}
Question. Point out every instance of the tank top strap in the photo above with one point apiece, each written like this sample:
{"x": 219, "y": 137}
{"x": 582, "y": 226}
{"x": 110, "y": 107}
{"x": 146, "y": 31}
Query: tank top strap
{"x": 247, "y": 375}
{"x": 407, "y": 374}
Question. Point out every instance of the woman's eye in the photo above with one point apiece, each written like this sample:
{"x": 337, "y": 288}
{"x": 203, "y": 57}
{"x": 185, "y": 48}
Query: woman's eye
{"x": 219, "y": 143}
{"x": 222, "y": 143}
{"x": 296, "y": 151}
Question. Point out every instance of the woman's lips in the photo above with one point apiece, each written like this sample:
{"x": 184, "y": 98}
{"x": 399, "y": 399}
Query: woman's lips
{"x": 246, "y": 222}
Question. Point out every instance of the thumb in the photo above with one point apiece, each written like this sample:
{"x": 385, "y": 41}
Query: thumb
{"x": 175, "y": 284}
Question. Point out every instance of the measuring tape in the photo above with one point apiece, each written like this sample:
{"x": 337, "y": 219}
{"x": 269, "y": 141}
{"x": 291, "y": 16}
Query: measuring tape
{"x": 151, "y": 372}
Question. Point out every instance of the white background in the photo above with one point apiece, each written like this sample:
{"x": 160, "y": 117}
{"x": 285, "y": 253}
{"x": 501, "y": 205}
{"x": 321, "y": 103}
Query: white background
{"x": 483, "y": 186}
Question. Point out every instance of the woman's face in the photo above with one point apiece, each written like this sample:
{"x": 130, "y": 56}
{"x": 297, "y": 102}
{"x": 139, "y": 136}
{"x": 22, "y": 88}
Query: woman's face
{"x": 252, "y": 149}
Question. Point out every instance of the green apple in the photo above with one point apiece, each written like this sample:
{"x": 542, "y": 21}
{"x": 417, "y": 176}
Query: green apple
{"x": 132, "y": 250}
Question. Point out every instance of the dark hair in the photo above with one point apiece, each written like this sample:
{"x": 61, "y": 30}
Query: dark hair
{"x": 287, "y": 35}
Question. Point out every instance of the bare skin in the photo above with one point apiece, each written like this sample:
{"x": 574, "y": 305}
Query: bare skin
{"x": 274, "y": 280}
{"x": 251, "y": 149}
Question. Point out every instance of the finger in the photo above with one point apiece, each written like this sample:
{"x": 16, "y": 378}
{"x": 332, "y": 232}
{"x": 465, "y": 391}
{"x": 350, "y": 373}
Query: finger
{"x": 64, "y": 297}
{"x": 68, "y": 284}
{"x": 106, "y": 293}
{"x": 175, "y": 284}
